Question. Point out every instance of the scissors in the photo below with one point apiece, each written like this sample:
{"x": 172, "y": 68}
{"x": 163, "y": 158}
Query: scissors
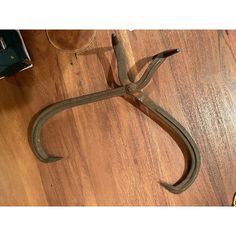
{"x": 130, "y": 91}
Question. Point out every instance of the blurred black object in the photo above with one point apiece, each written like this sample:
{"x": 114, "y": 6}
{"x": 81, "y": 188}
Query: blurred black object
{"x": 13, "y": 54}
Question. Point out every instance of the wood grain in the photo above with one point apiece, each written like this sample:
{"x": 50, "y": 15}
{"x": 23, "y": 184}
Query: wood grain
{"x": 113, "y": 153}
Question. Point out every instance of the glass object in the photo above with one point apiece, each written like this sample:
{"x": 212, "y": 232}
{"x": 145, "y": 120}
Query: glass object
{"x": 71, "y": 40}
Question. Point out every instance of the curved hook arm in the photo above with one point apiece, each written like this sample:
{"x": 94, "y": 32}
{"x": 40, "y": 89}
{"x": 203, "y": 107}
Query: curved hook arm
{"x": 182, "y": 133}
{"x": 48, "y": 112}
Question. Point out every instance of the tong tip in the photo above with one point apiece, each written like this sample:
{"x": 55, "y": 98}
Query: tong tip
{"x": 171, "y": 188}
{"x": 166, "y": 53}
{"x": 50, "y": 159}
{"x": 170, "y": 52}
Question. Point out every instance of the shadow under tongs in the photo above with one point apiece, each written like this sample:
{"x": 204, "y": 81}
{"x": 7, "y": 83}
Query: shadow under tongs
{"x": 106, "y": 65}
{"x": 137, "y": 67}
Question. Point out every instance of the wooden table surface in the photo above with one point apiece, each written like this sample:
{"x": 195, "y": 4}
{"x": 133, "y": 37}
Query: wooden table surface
{"x": 113, "y": 153}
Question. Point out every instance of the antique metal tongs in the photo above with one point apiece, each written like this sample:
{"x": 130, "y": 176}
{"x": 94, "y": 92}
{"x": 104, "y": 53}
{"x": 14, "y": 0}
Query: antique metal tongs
{"x": 131, "y": 91}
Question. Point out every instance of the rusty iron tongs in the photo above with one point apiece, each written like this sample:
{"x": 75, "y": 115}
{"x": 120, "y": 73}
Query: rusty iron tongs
{"x": 130, "y": 91}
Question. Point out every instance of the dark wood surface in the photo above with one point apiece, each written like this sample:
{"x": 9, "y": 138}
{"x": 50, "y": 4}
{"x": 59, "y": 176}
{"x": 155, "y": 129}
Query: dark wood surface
{"x": 113, "y": 153}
